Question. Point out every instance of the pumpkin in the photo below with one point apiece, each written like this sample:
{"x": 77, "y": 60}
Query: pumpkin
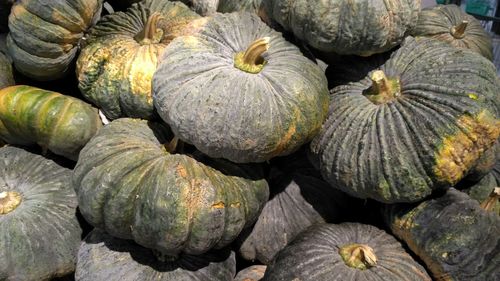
{"x": 59, "y": 123}
{"x": 45, "y": 35}
{"x": 116, "y": 66}
{"x": 344, "y": 26}
{"x": 39, "y": 232}
{"x": 299, "y": 199}
{"x": 252, "y": 273}
{"x": 131, "y": 186}
{"x": 203, "y": 7}
{"x": 103, "y": 257}
{"x": 238, "y": 90}
{"x": 454, "y": 237}
{"x": 4, "y": 14}
{"x": 6, "y": 77}
{"x": 229, "y": 6}
{"x": 347, "y": 251}
{"x": 417, "y": 124}
{"x": 450, "y": 24}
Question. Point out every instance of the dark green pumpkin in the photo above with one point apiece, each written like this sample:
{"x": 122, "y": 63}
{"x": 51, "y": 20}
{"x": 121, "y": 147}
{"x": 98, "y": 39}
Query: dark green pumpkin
{"x": 210, "y": 7}
{"x": 453, "y": 236}
{"x": 238, "y": 90}
{"x": 347, "y": 252}
{"x": 299, "y": 199}
{"x": 131, "y": 186}
{"x": 45, "y": 35}
{"x": 252, "y": 273}
{"x": 345, "y": 26}
{"x": 59, "y": 123}
{"x": 419, "y": 123}
{"x": 116, "y": 66}
{"x": 102, "y": 257}
{"x": 449, "y": 23}
{"x": 6, "y": 77}
{"x": 39, "y": 232}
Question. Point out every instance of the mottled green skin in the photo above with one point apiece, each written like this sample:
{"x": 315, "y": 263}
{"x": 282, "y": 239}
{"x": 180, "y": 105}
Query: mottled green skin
{"x": 346, "y": 26}
{"x": 59, "y": 123}
{"x": 481, "y": 190}
{"x": 299, "y": 199}
{"x": 129, "y": 185}
{"x": 45, "y": 35}
{"x": 388, "y": 152}
{"x": 437, "y": 21}
{"x": 6, "y": 77}
{"x": 40, "y": 238}
{"x": 102, "y": 257}
{"x": 115, "y": 67}
{"x": 452, "y": 235}
{"x": 314, "y": 256}
{"x": 229, "y": 113}
{"x": 229, "y": 6}
{"x": 252, "y": 273}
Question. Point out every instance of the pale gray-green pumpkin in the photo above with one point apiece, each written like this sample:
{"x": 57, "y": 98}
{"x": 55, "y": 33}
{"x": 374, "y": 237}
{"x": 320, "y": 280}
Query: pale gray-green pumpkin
{"x": 346, "y": 26}
{"x": 39, "y": 231}
{"x": 130, "y": 185}
{"x": 6, "y": 77}
{"x": 103, "y": 257}
{"x": 238, "y": 90}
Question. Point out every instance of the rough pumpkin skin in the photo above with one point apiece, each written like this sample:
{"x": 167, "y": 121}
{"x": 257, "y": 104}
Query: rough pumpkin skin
{"x": 45, "y": 35}
{"x": 344, "y": 252}
{"x": 6, "y": 77}
{"x": 40, "y": 234}
{"x": 419, "y": 123}
{"x": 102, "y": 257}
{"x": 116, "y": 66}
{"x": 345, "y": 26}
{"x": 59, "y": 123}
{"x": 241, "y": 111}
{"x": 455, "y": 238}
{"x": 251, "y": 273}
{"x": 449, "y": 23}
{"x": 129, "y": 185}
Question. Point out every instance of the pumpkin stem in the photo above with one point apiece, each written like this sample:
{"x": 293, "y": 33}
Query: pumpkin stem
{"x": 174, "y": 145}
{"x": 383, "y": 89}
{"x": 251, "y": 60}
{"x": 490, "y": 202}
{"x": 151, "y": 34}
{"x": 9, "y": 200}
{"x": 458, "y": 31}
{"x": 358, "y": 256}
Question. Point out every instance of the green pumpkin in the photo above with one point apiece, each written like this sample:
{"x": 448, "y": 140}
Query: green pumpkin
{"x": 347, "y": 252}
{"x": 449, "y": 23}
{"x": 45, "y": 35}
{"x": 251, "y": 273}
{"x": 121, "y": 54}
{"x": 229, "y": 6}
{"x": 130, "y": 185}
{"x": 345, "y": 26}
{"x": 59, "y": 123}
{"x": 102, "y": 257}
{"x": 454, "y": 237}
{"x": 39, "y": 232}
{"x": 299, "y": 199}
{"x": 419, "y": 123}
{"x": 6, "y": 77}
{"x": 238, "y": 90}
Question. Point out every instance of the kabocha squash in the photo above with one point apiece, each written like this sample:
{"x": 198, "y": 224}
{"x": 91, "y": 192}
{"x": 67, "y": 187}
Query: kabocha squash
{"x": 210, "y": 7}
{"x": 449, "y": 23}
{"x": 345, "y": 26}
{"x": 238, "y": 90}
{"x": 121, "y": 54}
{"x": 45, "y": 35}
{"x": 417, "y": 124}
{"x": 252, "y": 273}
{"x": 203, "y": 7}
{"x": 6, "y": 77}
{"x": 59, "y": 123}
{"x": 454, "y": 237}
{"x": 299, "y": 199}
{"x": 482, "y": 190}
{"x": 39, "y": 232}
{"x": 102, "y": 257}
{"x": 347, "y": 251}
{"x": 130, "y": 185}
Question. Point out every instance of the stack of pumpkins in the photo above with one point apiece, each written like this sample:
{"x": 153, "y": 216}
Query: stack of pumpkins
{"x": 198, "y": 140}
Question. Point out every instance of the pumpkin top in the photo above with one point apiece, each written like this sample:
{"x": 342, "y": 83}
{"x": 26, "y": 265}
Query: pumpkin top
{"x": 358, "y": 256}
{"x": 449, "y": 23}
{"x": 9, "y": 200}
